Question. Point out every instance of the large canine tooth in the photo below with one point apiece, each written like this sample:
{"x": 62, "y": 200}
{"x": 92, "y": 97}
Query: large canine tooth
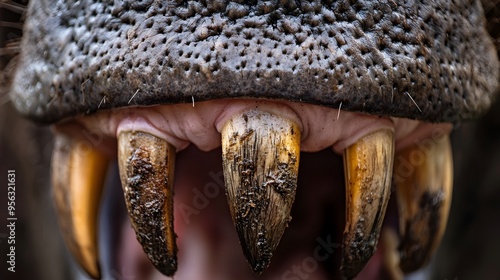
{"x": 78, "y": 174}
{"x": 368, "y": 169}
{"x": 260, "y": 153}
{"x": 146, "y": 166}
{"x": 423, "y": 176}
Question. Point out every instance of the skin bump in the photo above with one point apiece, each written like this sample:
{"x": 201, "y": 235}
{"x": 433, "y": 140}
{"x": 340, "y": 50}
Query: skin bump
{"x": 383, "y": 57}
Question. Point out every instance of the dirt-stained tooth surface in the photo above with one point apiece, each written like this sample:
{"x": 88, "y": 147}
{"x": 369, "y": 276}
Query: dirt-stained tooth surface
{"x": 146, "y": 165}
{"x": 250, "y": 150}
{"x": 260, "y": 153}
{"x": 368, "y": 170}
{"x": 423, "y": 176}
{"x": 231, "y": 95}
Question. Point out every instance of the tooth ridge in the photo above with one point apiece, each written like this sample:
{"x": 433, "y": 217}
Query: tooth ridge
{"x": 146, "y": 165}
{"x": 368, "y": 167}
{"x": 260, "y": 160}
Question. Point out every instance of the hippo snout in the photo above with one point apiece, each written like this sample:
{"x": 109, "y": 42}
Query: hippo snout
{"x": 376, "y": 57}
{"x": 298, "y": 96}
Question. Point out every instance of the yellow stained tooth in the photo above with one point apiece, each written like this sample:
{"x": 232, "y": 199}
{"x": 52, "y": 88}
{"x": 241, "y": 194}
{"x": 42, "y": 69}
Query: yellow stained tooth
{"x": 78, "y": 174}
{"x": 368, "y": 168}
{"x": 146, "y": 165}
{"x": 260, "y": 153}
{"x": 423, "y": 176}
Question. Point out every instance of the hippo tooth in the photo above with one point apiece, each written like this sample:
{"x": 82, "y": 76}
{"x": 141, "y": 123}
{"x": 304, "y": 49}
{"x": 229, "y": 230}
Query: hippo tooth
{"x": 260, "y": 153}
{"x": 78, "y": 174}
{"x": 423, "y": 177}
{"x": 368, "y": 168}
{"x": 391, "y": 257}
{"x": 146, "y": 165}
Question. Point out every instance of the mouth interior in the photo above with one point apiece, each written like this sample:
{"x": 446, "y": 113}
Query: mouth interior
{"x": 208, "y": 244}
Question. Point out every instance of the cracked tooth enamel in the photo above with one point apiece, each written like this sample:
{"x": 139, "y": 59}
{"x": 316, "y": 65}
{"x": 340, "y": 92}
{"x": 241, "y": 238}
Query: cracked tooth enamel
{"x": 260, "y": 153}
{"x": 78, "y": 174}
{"x": 423, "y": 177}
{"x": 368, "y": 168}
{"x": 146, "y": 165}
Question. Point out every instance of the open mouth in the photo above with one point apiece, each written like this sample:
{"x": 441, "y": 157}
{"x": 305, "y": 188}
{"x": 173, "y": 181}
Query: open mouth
{"x": 280, "y": 166}
{"x": 270, "y": 146}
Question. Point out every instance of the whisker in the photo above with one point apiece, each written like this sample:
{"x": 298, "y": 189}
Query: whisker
{"x": 103, "y": 100}
{"x": 11, "y": 47}
{"x": 130, "y": 100}
{"x": 413, "y": 101}
{"x": 338, "y": 114}
{"x": 16, "y": 25}
{"x": 12, "y": 6}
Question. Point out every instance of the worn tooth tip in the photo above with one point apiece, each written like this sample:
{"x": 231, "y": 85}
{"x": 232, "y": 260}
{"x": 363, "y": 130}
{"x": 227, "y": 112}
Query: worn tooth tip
{"x": 94, "y": 271}
{"x": 368, "y": 169}
{"x": 356, "y": 256}
{"x": 260, "y": 266}
{"x": 260, "y": 154}
{"x": 146, "y": 165}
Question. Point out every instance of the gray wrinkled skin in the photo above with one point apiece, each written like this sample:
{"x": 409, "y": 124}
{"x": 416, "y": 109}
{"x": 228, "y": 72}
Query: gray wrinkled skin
{"x": 371, "y": 56}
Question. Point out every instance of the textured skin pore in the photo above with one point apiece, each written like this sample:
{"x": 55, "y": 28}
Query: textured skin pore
{"x": 492, "y": 12}
{"x": 429, "y": 60}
